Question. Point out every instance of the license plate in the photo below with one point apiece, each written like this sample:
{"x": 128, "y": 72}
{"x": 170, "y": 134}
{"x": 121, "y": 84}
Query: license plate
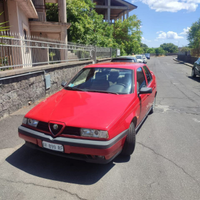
{"x": 52, "y": 146}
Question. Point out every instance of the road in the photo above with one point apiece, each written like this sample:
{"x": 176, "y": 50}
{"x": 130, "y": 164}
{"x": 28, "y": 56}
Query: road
{"x": 165, "y": 164}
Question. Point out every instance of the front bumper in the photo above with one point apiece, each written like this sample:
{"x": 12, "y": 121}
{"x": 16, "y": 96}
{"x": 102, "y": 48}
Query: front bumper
{"x": 81, "y": 149}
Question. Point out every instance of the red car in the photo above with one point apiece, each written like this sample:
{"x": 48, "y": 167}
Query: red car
{"x": 96, "y": 115}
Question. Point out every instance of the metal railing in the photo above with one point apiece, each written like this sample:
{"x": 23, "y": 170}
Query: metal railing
{"x": 20, "y": 52}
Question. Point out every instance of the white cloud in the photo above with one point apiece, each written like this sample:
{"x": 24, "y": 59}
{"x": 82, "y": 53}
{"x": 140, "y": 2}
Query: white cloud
{"x": 185, "y": 31}
{"x": 168, "y": 35}
{"x": 145, "y": 40}
{"x": 162, "y": 35}
{"x": 171, "y": 5}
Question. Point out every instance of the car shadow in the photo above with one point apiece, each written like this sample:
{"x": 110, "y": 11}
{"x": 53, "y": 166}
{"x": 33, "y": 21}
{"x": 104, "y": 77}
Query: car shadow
{"x": 197, "y": 79}
{"x": 57, "y": 168}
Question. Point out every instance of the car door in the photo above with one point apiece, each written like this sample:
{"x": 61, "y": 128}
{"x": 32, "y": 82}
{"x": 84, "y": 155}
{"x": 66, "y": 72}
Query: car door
{"x": 143, "y": 98}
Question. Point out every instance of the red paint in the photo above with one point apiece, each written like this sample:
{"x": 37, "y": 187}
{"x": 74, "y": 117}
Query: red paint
{"x": 101, "y": 111}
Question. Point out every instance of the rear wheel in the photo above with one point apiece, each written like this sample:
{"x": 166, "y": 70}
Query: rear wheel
{"x": 193, "y": 75}
{"x": 129, "y": 144}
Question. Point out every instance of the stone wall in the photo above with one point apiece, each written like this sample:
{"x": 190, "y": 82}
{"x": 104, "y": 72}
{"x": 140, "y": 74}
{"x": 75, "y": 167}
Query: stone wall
{"x": 20, "y": 87}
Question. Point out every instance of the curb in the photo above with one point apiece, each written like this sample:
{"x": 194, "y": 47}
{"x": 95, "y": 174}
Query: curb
{"x": 182, "y": 62}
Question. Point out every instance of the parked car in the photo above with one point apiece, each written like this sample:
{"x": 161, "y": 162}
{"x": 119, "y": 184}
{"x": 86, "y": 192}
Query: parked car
{"x": 96, "y": 115}
{"x": 147, "y": 55}
{"x": 141, "y": 59}
{"x": 196, "y": 68}
{"x": 125, "y": 59}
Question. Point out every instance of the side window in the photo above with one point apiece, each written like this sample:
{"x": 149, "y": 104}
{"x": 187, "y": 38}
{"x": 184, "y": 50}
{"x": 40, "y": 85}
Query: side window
{"x": 81, "y": 78}
{"x": 140, "y": 79}
{"x": 148, "y": 74}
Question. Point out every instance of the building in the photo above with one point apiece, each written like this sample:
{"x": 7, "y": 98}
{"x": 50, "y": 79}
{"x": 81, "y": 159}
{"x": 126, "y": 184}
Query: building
{"x": 28, "y": 17}
{"x": 113, "y": 10}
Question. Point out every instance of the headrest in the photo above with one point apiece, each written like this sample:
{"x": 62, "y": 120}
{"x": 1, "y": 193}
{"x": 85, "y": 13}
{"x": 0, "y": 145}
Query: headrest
{"x": 100, "y": 76}
{"x": 113, "y": 76}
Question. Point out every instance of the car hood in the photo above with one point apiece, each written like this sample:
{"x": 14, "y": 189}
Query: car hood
{"x": 82, "y": 109}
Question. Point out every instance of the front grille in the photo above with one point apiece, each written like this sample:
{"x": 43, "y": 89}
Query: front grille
{"x": 43, "y": 126}
{"x": 68, "y": 130}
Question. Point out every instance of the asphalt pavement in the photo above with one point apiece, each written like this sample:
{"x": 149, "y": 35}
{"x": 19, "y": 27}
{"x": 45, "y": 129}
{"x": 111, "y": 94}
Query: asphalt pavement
{"x": 164, "y": 166}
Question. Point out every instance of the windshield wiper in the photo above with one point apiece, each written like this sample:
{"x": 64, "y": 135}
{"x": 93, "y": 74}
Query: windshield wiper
{"x": 87, "y": 90}
{"x": 101, "y": 91}
{"x": 74, "y": 88}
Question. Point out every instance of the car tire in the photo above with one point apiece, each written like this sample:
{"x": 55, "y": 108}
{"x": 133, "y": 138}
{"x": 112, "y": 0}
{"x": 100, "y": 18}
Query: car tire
{"x": 153, "y": 106}
{"x": 193, "y": 75}
{"x": 129, "y": 144}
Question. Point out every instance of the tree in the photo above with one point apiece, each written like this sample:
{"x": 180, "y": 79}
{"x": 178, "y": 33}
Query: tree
{"x": 194, "y": 37}
{"x": 169, "y": 47}
{"x": 159, "y": 51}
{"x": 144, "y": 47}
{"x": 87, "y": 27}
{"x": 150, "y": 50}
{"x": 185, "y": 49}
{"x": 127, "y": 35}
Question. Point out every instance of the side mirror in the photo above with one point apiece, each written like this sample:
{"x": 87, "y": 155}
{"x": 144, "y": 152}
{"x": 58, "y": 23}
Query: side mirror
{"x": 145, "y": 90}
{"x": 63, "y": 84}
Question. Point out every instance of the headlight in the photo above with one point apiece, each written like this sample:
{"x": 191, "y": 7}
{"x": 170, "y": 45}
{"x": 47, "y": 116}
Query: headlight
{"x": 94, "y": 133}
{"x": 30, "y": 122}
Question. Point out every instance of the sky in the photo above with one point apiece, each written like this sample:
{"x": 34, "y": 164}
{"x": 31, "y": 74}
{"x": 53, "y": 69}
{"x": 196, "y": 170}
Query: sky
{"x": 166, "y": 21}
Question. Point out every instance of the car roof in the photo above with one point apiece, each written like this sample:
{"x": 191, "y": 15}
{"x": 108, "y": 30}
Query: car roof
{"x": 124, "y": 57}
{"x": 120, "y": 65}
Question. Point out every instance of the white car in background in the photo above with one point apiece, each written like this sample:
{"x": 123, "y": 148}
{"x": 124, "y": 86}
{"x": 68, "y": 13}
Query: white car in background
{"x": 141, "y": 58}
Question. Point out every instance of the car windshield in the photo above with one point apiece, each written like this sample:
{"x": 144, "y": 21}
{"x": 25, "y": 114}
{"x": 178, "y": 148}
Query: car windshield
{"x": 139, "y": 57}
{"x": 104, "y": 80}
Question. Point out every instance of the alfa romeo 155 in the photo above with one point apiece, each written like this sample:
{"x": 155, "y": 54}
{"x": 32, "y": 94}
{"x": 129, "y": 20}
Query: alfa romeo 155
{"x": 96, "y": 115}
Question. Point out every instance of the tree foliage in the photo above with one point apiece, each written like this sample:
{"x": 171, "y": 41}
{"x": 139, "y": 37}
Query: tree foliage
{"x": 150, "y": 50}
{"x": 144, "y": 47}
{"x": 88, "y": 27}
{"x": 169, "y": 47}
{"x": 2, "y": 25}
{"x": 185, "y": 49}
{"x": 86, "y": 24}
{"x": 159, "y": 51}
{"x": 194, "y": 37}
{"x": 127, "y": 35}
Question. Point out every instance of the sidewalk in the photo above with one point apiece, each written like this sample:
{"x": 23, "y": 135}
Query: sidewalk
{"x": 182, "y": 62}
{"x": 9, "y": 129}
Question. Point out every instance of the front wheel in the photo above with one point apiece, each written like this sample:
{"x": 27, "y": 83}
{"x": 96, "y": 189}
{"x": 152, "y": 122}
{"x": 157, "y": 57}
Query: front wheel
{"x": 129, "y": 144}
{"x": 193, "y": 75}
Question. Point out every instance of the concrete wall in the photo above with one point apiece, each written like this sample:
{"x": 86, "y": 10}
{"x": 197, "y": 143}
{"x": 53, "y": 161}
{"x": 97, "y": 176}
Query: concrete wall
{"x": 24, "y": 25}
{"x": 16, "y": 92}
{"x": 18, "y": 23}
